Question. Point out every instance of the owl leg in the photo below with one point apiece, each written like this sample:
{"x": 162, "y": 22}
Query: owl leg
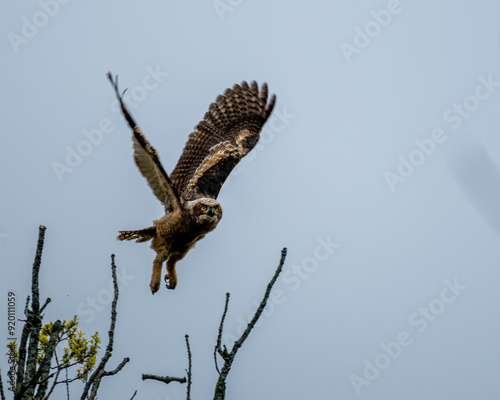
{"x": 156, "y": 275}
{"x": 171, "y": 276}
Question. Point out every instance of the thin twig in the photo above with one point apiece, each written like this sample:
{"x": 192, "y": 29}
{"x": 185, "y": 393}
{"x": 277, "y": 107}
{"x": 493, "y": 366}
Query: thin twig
{"x": 45, "y": 304}
{"x": 164, "y": 379}
{"x": 26, "y": 311}
{"x": 67, "y": 385}
{"x": 188, "y": 395}
{"x": 95, "y": 379}
{"x": 218, "y": 347}
{"x": 132, "y": 398}
{"x": 117, "y": 369}
{"x": 168, "y": 379}
{"x": 263, "y": 303}
{"x": 54, "y": 383}
{"x": 220, "y": 387}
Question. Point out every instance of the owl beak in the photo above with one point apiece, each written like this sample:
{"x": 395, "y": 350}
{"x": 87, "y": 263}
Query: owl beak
{"x": 211, "y": 212}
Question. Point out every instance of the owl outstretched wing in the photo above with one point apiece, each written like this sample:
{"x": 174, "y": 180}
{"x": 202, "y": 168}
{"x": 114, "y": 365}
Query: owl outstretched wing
{"x": 228, "y": 131}
{"x": 147, "y": 159}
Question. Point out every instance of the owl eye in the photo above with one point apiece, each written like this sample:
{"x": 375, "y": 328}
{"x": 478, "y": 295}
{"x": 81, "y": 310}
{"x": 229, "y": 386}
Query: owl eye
{"x": 203, "y": 208}
{"x": 216, "y": 208}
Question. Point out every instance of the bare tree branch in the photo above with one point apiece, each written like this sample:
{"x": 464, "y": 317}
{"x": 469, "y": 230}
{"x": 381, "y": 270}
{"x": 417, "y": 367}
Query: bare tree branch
{"x": 164, "y": 379}
{"x": 218, "y": 349}
{"x": 32, "y": 373}
{"x": 228, "y": 357}
{"x": 220, "y": 387}
{"x": 31, "y": 378}
{"x": 117, "y": 369}
{"x": 26, "y": 369}
{"x": 168, "y": 379}
{"x": 45, "y": 304}
{"x": 95, "y": 379}
{"x": 35, "y": 313}
{"x": 26, "y": 305}
{"x": 35, "y": 291}
{"x": 34, "y": 316}
{"x": 67, "y": 385}
{"x": 56, "y": 377}
{"x": 44, "y": 368}
{"x": 22, "y": 358}
{"x": 2, "y": 394}
{"x": 188, "y": 371}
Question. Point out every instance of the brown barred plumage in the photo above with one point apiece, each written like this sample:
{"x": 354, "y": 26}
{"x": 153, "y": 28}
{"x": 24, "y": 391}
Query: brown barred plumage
{"x": 141, "y": 235}
{"x": 229, "y": 130}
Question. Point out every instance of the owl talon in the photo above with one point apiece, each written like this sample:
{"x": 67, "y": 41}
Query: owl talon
{"x": 154, "y": 285}
{"x": 171, "y": 283}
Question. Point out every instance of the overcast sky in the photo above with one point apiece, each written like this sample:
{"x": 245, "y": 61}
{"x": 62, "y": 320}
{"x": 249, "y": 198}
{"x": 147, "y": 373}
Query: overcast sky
{"x": 378, "y": 170}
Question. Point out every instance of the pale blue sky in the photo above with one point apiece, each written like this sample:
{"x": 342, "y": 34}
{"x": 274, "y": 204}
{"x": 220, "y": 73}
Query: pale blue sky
{"x": 378, "y": 170}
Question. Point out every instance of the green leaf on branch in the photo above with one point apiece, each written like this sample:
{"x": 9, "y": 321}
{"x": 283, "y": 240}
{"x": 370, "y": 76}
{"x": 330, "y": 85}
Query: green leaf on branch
{"x": 76, "y": 348}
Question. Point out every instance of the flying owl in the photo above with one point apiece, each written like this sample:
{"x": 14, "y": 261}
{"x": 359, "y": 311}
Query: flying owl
{"x": 228, "y": 131}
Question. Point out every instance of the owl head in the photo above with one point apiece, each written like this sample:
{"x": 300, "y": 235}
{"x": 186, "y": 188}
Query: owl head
{"x": 205, "y": 210}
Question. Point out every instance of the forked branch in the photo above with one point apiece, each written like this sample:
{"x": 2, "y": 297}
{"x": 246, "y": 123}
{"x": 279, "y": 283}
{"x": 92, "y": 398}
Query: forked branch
{"x": 229, "y": 356}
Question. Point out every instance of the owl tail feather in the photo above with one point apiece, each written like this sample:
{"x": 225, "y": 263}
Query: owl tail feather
{"x": 142, "y": 235}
